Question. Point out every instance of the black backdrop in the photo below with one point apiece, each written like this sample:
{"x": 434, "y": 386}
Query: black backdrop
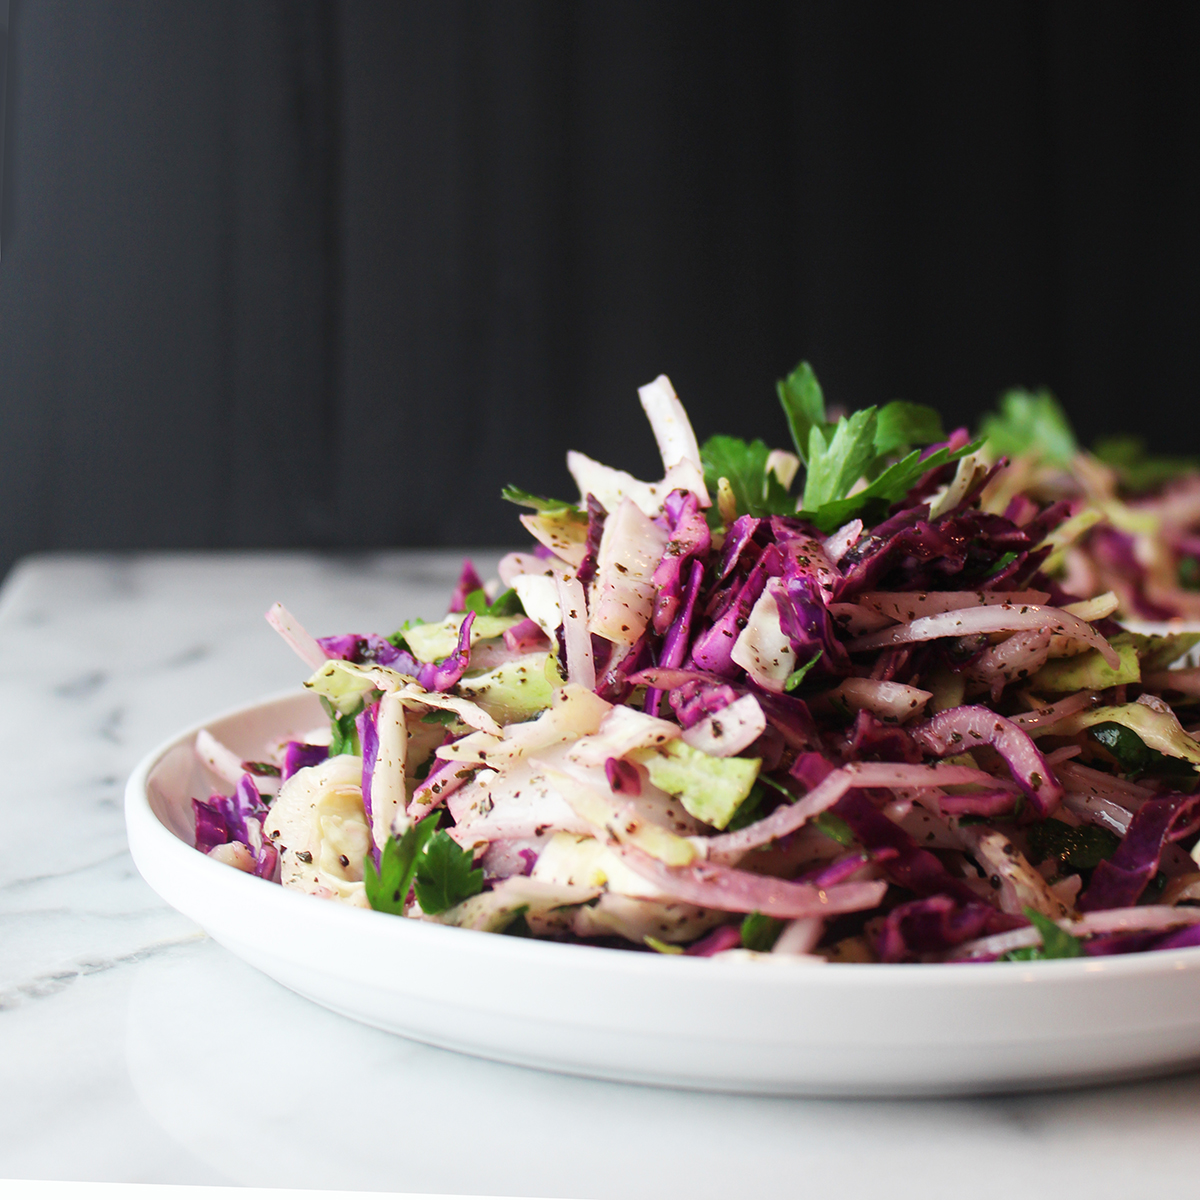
{"x": 321, "y": 273}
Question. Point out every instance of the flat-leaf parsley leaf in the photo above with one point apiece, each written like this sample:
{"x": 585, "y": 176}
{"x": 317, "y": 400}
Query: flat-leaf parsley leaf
{"x": 445, "y": 875}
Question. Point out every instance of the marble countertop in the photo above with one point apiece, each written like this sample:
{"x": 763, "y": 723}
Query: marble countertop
{"x": 135, "y": 1049}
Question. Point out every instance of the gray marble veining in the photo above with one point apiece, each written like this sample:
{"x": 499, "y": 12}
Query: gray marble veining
{"x": 134, "y": 1048}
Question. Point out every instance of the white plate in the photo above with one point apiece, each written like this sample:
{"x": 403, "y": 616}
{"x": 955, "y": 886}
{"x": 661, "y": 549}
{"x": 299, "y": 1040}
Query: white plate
{"x": 767, "y": 1026}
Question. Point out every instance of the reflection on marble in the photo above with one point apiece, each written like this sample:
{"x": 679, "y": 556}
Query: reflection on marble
{"x": 134, "y": 1048}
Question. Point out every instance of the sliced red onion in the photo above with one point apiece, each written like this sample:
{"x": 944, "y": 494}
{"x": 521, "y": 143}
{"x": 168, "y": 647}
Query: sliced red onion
{"x": 724, "y": 937}
{"x": 218, "y": 758}
{"x": 1183, "y": 679}
{"x": 997, "y": 618}
{"x": 1089, "y": 781}
{"x": 1120, "y": 920}
{"x": 1063, "y": 754}
{"x": 296, "y": 636}
{"x": 847, "y": 866}
{"x": 1043, "y": 718}
{"x": 444, "y": 778}
{"x": 908, "y": 606}
{"x": 891, "y": 701}
{"x": 713, "y": 886}
{"x": 668, "y": 678}
{"x": 728, "y": 731}
{"x": 1098, "y": 810}
{"x": 1016, "y": 657}
{"x": 971, "y": 725}
{"x": 989, "y": 803}
{"x": 827, "y": 793}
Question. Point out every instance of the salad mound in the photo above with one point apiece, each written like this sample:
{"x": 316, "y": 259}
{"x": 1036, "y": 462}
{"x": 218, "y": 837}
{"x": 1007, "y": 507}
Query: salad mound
{"x": 817, "y": 703}
{"x": 1134, "y": 516}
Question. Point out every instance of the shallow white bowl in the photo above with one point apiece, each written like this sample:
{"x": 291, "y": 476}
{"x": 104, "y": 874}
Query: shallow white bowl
{"x": 768, "y": 1026}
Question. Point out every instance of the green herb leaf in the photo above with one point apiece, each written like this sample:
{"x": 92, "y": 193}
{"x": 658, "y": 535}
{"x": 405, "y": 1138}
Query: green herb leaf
{"x": 1056, "y": 941}
{"x": 507, "y": 604}
{"x": 542, "y": 504}
{"x": 343, "y": 733}
{"x": 262, "y": 768}
{"x": 760, "y": 932}
{"x": 832, "y": 826}
{"x": 836, "y": 463}
{"x": 900, "y": 426}
{"x": 766, "y": 779}
{"x": 398, "y": 639}
{"x": 439, "y": 716}
{"x": 803, "y": 405}
{"x": 892, "y": 485}
{"x": 1031, "y": 422}
{"x": 1083, "y": 847}
{"x": 387, "y": 889}
{"x": 744, "y": 464}
{"x": 1133, "y": 755}
{"x": 517, "y": 925}
{"x": 1137, "y": 469}
{"x": 749, "y": 810}
{"x": 476, "y": 602}
{"x": 445, "y": 874}
{"x": 796, "y": 678}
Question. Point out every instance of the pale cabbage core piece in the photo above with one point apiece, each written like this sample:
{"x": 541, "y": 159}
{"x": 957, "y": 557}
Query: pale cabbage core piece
{"x": 318, "y": 824}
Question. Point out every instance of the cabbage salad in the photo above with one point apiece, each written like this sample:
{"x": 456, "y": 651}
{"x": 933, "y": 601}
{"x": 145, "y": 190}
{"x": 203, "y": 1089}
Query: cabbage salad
{"x": 816, "y": 703}
{"x": 1133, "y": 518}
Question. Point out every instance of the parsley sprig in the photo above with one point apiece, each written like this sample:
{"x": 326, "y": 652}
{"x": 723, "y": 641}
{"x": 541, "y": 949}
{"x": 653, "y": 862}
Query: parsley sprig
{"x": 343, "y": 730}
{"x": 1056, "y": 941}
{"x": 874, "y": 453}
{"x": 426, "y": 860}
{"x": 1031, "y": 422}
{"x": 543, "y": 505}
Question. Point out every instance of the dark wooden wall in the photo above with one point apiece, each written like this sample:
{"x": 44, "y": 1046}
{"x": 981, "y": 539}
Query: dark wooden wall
{"x": 322, "y": 273}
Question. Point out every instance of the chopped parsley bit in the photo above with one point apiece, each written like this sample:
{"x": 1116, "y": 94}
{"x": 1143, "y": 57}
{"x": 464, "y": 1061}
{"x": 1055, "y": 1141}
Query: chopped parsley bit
{"x": 761, "y": 932}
